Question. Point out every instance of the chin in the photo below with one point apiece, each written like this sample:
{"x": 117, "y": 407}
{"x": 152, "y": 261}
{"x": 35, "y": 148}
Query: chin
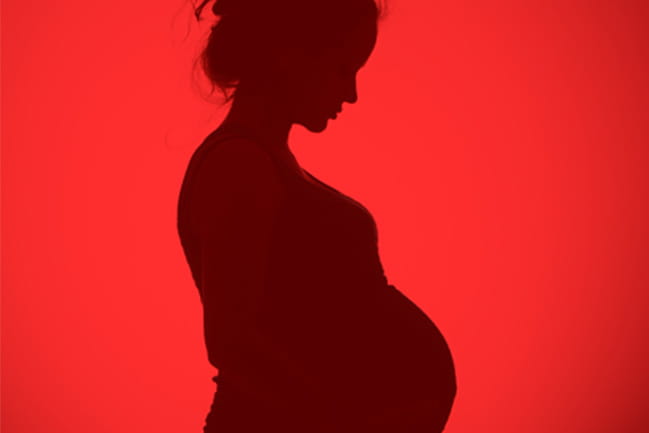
{"x": 316, "y": 126}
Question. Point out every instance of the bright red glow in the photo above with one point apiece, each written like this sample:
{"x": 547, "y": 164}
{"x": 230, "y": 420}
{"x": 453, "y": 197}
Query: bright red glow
{"x": 502, "y": 149}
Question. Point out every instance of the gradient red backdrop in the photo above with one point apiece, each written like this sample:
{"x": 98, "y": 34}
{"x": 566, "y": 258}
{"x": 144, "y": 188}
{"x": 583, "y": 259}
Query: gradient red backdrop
{"x": 501, "y": 146}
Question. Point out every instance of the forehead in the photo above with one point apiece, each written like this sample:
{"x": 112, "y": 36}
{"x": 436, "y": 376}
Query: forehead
{"x": 362, "y": 43}
{"x": 354, "y": 45}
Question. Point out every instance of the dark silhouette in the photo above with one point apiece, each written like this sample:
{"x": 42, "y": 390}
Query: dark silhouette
{"x": 306, "y": 332}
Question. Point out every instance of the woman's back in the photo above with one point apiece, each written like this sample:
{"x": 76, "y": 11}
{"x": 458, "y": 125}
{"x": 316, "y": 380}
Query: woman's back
{"x": 320, "y": 299}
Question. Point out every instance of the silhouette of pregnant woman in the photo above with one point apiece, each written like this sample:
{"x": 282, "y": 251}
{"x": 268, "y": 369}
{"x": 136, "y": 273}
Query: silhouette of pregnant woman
{"x": 299, "y": 319}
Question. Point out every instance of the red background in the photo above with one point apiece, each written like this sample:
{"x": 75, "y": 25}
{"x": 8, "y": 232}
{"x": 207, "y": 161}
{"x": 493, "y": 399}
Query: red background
{"x": 501, "y": 146}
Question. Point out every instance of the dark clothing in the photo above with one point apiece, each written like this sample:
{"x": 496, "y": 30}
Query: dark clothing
{"x": 328, "y": 304}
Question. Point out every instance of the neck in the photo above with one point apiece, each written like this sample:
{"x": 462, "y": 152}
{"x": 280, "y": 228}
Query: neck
{"x": 261, "y": 114}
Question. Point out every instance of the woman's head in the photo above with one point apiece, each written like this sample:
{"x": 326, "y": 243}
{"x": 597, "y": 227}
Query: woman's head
{"x": 305, "y": 52}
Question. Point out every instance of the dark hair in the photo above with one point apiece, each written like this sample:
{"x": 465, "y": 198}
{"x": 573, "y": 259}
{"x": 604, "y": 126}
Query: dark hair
{"x": 255, "y": 35}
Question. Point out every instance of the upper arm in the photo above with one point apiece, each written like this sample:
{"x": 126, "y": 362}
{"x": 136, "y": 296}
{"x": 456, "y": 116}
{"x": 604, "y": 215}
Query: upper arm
{"x": 235, "y": 199}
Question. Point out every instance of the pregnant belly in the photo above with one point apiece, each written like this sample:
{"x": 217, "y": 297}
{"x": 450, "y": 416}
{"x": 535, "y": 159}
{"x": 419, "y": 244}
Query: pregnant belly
{"x": 391, "y": 356}
{"x": 368, "y": 347}
{"x": 376, "y": 357}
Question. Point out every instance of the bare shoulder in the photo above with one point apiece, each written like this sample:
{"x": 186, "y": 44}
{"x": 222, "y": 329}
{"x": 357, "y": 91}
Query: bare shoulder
{"x": 236, "y": 153}
{"x": 237, "y": 159}
{"x": 236, "y": 173}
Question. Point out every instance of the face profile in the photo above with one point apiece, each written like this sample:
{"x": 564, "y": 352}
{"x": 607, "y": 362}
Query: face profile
{"x": 331, "y": 81}
{"x": 288, "y": 61}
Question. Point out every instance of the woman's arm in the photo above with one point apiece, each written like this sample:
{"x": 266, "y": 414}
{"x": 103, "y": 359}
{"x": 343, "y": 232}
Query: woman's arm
{"x": 236, "y": 198}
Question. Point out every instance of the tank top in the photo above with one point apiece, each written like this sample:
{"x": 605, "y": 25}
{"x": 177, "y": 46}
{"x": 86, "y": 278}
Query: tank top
{"x": 327, "y": 301}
